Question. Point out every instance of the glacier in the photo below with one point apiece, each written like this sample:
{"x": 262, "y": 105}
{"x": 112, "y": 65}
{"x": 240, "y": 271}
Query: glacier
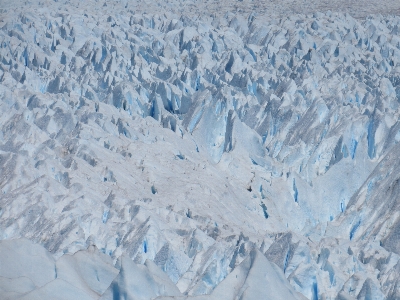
{"x": 160, "y": 152}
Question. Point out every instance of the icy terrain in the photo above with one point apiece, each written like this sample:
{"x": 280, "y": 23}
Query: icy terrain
{"x": 212, "y": 156}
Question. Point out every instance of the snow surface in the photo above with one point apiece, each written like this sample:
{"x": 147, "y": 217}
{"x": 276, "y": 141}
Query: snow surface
{"x": 187, "y": 155}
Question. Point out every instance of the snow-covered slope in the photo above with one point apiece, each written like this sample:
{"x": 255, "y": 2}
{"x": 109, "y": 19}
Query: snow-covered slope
{"x": 229, "y": 151}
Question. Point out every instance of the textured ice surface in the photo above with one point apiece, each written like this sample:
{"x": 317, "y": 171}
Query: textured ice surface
{"x": 182, "y": 150}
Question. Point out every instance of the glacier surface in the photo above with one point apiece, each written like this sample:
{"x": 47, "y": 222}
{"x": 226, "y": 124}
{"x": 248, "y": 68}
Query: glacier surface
{"x": 179, "y": 155}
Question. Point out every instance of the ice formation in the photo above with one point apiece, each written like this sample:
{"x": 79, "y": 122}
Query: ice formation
{"x": 222, "y": 156}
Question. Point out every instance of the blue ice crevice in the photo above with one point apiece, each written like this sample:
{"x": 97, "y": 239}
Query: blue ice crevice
{"x": 197, "y": 83}
{"x": 295, "y": 191}
{"x": 286, "y": 261}
{"x": 354, "y": 229}
{"x": 371, "y": 140}
{"x": 315, "y": 290}
{"x": 144, "y": 246}
{"x": 264, "y": 208}
{"x": 105, "y": 216}
{"x": 328, "y": 267}
{"x": 353, "y": 147}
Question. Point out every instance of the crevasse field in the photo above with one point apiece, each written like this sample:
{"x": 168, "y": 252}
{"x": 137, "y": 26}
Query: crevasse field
{"x": 199, "y": 150}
